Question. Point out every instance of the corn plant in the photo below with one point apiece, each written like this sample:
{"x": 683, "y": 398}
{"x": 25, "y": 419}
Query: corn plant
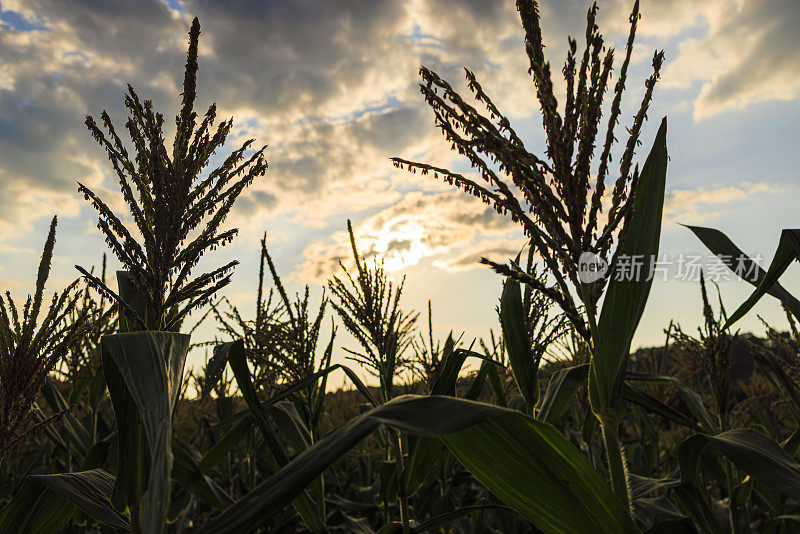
{"x": 554, "y": 201}
{"x": 170, "y": 201}
{"x": 429, "y": 356}
{"x": 31, "y": 346}
{"x": 474, "y": 432}
{"x": 81, "y": 367}
{"x": 369, "y": 307}
{"x": 529, "y": 329}
{"x": 711, "y": 353}
{"x": 581, "y": 435}
{"x": 143, "y": 367}
{"x": 282, "y": 342}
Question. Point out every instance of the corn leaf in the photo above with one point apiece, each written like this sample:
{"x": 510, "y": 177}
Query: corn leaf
{"x": 46, "y": 503}
{"x": 304, "y": 504}
{"x": 692, "y": 399}
{"x": 540, "y": 474}
{"x": 562, "y": 388}
{"x": 150, "y": 365}
{"x": 424, "y": 451}
{"x": 788, "y": 251}
{"x": 652, "y": 404}
{"x": 227, "y": 444}
{"x": 625, "y": 298}
{"x": 75, "y": 431}
{"x": 740, "y": 263}
{"x": 755, "y": 454}
{"x": 515, "y": 334}
{"x": 187, "y": 473}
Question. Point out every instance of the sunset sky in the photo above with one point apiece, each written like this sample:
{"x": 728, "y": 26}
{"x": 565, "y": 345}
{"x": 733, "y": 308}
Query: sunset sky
{"x": 331, "y": 87}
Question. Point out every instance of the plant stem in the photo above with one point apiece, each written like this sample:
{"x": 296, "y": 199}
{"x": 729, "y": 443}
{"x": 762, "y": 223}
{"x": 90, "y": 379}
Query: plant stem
{"x": 616, "y": 459}
{"x": 401, "y": 490}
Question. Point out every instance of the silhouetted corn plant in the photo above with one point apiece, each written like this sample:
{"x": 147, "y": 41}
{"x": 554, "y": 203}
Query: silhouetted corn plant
{"x": 83, "y": 360}
{"x": 30, "y": 349}
{"x": 556, "y": 203}
{"x": 178, "y": 208}
{"x": 369, "y": 307}
{"x": 428, "y": 356}
{"x": 779, "y": 362}
{"x": 170, "y": 202}
{"x": 711, "y": 354}
{"x": 530, "y": 327}
{"x": 282, "y": 342}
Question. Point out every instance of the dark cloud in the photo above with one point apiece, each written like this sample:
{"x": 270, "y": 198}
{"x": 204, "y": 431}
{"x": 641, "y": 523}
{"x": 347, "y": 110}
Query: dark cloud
{"x": 330, "y": 85}
{"x": 297, "y": 56}
{"x": 256, "y": 201}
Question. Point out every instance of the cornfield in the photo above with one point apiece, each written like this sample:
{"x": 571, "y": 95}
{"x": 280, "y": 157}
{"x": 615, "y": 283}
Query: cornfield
{"x": 562, "y": 429}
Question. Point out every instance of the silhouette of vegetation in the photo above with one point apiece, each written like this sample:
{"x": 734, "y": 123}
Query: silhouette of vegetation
{"x": 558, "y": 427}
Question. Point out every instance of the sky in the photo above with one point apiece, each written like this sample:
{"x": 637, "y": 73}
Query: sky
{"x": 331, "y": 87}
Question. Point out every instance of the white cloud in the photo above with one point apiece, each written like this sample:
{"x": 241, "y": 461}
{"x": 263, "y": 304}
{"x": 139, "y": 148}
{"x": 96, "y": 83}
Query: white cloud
{"x": 446, "y": 227}
{"x": 749, "y": 51}
{"x": 693, "y": 206}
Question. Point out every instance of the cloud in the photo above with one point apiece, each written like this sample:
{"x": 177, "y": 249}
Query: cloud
{"x": 498, "y": 250}
{"x": 692, "y": 206}
{"x": 331, "y": 86}
{"x": 454, "y": 230}
{"x": 749, "y": 51}
{"x": 448, "y": 227}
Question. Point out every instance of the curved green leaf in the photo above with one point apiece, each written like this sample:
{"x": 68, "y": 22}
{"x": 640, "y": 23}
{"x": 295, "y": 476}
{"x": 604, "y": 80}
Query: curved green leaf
{"x": 692, "y": 399}
{"x": 562, "y": 388}
{"x": 225, "y": 445}
{"x": 187, "y": 474}
{"x": 760, "y": 457}
{"x": 150, "y": 365}
{"x": 788, "y": 251}
{"x": 423, "y": 451}
{"x": 45, "y": 503}
{"x": 306, "y": 507}
{"x": 540, "y": 474}
{"x": 740, "y": 263}
{"x": 652, "y": 404}
{"x": 515, "y": 334}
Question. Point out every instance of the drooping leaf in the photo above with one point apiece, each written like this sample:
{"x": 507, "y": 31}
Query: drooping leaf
{"x": 692, "y": 399}
{"x": 46, "y": 503}
{"x": 652, "y": 404}
{"x": 236, "y": 358}
{"x": 226, "y": 445}
{"x": 187, "y": 473}
{"x": 535, "y": 456}
{"x": 74, "y": 430}
{"x": 742, "y": 265}
{"x": 562, "y": 388}
{"x": 424, "y": 451}
{"x": 788, "y": 251}
{"x": 757, "y": 455}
